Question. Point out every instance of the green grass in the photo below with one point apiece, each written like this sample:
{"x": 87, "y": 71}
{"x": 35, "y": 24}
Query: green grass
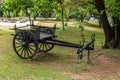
{"x": 5, "y": 27}
{"x": 93, "y": 24}
{"x": 12, "y": 67}
{"x": 58, "y": 64}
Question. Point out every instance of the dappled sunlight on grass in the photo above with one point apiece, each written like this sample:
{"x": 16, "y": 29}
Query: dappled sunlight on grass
{"x": 99, "y": 30}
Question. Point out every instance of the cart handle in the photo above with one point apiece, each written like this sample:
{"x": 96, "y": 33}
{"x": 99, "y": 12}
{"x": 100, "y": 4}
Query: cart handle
{"x": 87, "y": 47}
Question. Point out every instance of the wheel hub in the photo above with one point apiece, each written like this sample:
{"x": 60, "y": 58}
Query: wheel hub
{"x": 24, "y": 44}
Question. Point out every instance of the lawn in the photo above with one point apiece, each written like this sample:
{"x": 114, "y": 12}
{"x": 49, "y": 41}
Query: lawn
{"x": 94, "y": 24}
{"x": 61, "y": 63}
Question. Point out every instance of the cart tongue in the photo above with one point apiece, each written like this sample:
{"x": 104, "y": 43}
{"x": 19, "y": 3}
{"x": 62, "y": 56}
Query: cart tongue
{"x": 89, "y": 46}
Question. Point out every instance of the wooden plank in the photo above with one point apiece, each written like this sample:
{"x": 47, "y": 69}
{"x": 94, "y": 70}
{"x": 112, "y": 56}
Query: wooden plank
{"x": 44, "y": 35}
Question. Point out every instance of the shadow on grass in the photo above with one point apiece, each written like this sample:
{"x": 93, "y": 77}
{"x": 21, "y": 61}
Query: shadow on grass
{"x": 57, "y": 58}
{"x": 47, "y": 57}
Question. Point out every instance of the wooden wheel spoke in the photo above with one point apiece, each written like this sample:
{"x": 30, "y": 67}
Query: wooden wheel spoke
{"x": 20, "y": 49}
{"x": 28, "y": 55}
{"x": 17, "y": 43}
{"x": 25, "y": 53}
{"x": 40, "y": 45}
{"x": 43, "y": 46}
{"x": 31, "y": 45}
{"x": 18, "y": 46}
{"x": 31, "y": 48}
{"x": 46, "y": 46}
{"x": 29, "y": 51}
{"x": 19, "y": 40}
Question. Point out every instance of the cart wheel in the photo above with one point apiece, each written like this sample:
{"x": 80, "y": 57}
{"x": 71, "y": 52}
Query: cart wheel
{"x": 25, "y": 44}
{"x": 45, "y": 47}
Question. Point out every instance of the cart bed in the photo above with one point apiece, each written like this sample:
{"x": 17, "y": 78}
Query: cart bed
{"x": 45, "y": 35}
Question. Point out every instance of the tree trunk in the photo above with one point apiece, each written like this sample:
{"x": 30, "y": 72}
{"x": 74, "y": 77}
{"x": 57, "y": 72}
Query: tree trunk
{"x": 118, "y": 35}
{"x": 30, "y": 19}
{"x": 100, "y": 24}
{"x": 8, "y": 15}
{"x": 116, "y": 23}
{"x": 28, "y": 14}
{"x": 35, "y": 15}
{"x": 99, "y": 4}
{"x": 62, "y": 14}
{"x": 107, "y": 30}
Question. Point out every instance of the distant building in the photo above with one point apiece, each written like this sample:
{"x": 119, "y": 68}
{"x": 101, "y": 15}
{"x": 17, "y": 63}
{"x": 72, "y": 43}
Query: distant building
{"x": 94, "y": 19}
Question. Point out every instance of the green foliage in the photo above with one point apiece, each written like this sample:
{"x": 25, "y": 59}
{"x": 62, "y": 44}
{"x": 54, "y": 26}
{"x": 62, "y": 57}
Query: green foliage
{"x": 78, "y": 13}
{"x": 113, "y": 7}
{"x": 47, "y": 8}
{"x": 91, "y": 9}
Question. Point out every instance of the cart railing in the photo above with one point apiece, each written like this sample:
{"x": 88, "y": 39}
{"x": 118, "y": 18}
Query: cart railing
{"x": 37, "y": 28}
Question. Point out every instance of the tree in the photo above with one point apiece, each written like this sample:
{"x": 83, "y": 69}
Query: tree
{"x": 48, "y": 8}
{"x": 111, "y": 33}
{"x": 61, "y": 2}
{"x": 100, "y": 5}
{"x": 115, "y": 14}
{"x": 8, "y": 7}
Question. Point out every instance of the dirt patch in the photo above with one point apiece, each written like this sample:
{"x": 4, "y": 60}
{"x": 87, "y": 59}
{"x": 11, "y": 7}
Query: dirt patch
{"x": 108, "y": 61}
{"x": 104, "y": 67}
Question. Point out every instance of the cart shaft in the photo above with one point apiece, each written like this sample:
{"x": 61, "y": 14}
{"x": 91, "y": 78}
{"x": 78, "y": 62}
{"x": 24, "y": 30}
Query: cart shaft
{"x": 63, "y": 43}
